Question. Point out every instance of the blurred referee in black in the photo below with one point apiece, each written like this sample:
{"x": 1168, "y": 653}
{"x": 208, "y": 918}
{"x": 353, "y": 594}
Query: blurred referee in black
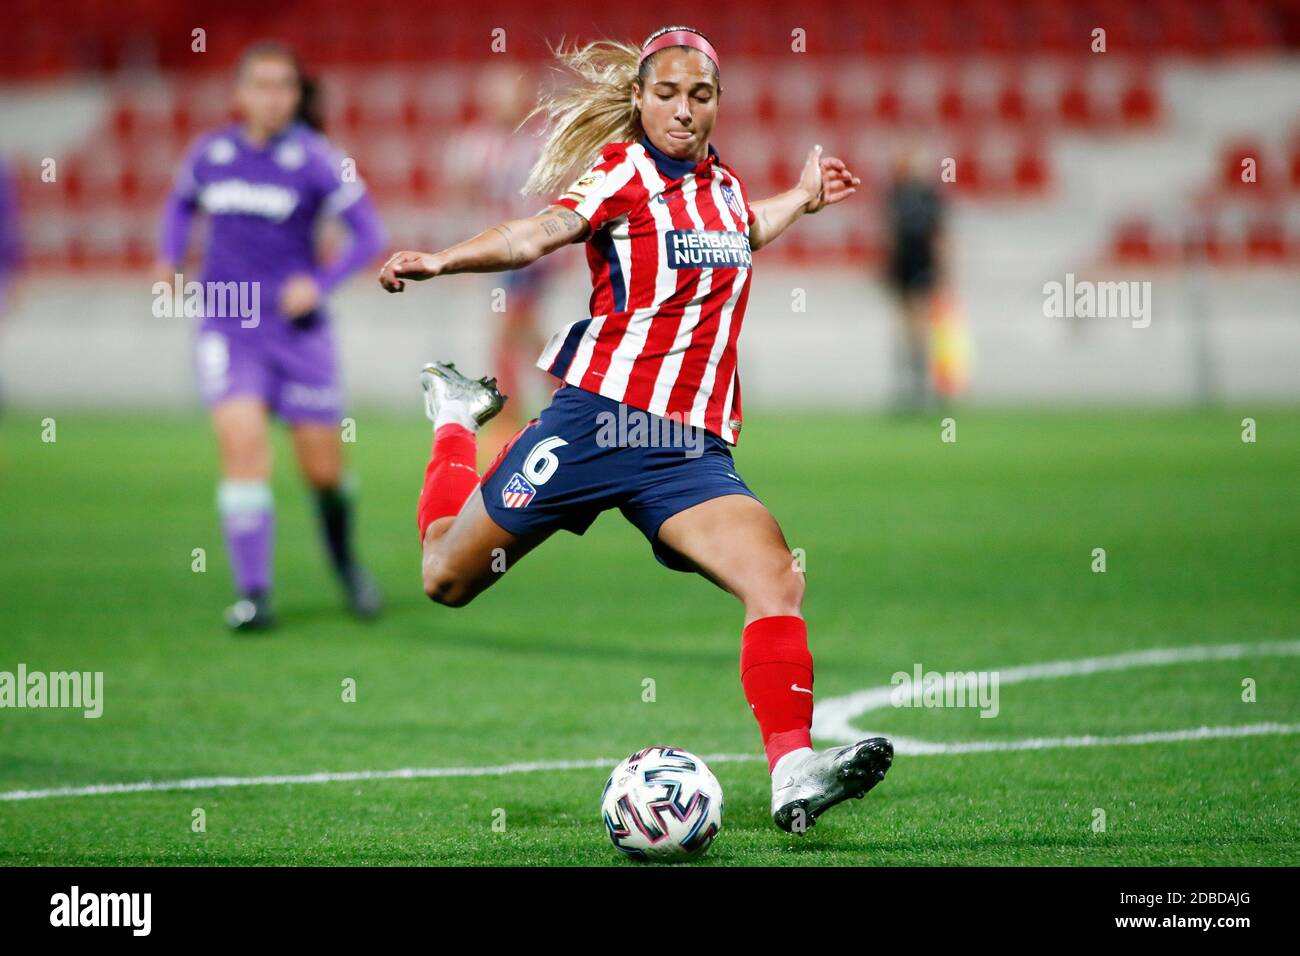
{"x": 914, "y": 267}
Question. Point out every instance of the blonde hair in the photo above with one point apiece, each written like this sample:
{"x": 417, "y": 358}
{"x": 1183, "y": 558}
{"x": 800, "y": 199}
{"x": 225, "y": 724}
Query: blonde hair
{"x": 595, "y": 111}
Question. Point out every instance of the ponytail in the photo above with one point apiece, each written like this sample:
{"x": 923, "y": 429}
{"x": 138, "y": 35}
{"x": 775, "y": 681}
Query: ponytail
{"x": 597, "y": 110}
{"x": 309, "y": 106}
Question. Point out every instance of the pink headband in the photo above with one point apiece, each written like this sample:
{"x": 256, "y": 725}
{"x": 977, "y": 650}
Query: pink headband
{"x": 681, "y": 38}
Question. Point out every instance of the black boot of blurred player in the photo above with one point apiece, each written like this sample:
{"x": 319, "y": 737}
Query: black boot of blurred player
{"x": 250, "y": 613}
{"x": 334, "y": 505}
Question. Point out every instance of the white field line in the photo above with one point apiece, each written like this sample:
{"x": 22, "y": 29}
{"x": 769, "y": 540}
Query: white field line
{"x": 841, "y": 709}
{"x": 345, "y": 776}
{"x": 833, "y": 717}
{"x": 917, "y": 748}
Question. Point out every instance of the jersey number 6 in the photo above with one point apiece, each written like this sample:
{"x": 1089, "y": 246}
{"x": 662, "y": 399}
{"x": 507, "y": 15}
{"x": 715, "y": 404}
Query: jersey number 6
{"x": 541, "y": 462}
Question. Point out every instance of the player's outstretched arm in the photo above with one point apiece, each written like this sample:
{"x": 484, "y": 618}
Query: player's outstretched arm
{"x": 511, "y": 245}
{"x": 825, "y": 180}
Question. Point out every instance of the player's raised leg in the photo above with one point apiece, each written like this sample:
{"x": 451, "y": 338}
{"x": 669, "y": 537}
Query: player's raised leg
{"x": 464, "y": 550}
{"x": 736, "y": 543}
{"x": 245, "y": 506}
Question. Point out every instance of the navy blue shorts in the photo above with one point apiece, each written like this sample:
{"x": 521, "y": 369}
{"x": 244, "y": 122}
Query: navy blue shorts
{"x": 587, "y": 453}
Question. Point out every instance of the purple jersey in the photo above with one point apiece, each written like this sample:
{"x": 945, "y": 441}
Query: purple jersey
{"x": 10, "y": 246}
{"x": 264, "y": 204}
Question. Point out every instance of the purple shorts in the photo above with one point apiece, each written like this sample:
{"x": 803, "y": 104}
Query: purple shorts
{"x": 293, "y": 370}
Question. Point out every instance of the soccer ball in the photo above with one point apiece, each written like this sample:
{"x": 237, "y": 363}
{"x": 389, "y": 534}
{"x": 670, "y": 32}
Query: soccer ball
{"x": 662, "y": 804}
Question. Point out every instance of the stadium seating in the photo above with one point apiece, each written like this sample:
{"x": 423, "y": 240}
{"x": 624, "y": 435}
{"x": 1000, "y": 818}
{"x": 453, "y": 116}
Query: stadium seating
{"x": 1233, "y": 221}
{"x": 949, "y": 74}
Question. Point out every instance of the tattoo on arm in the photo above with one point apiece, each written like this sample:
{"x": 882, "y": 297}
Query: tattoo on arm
{"x": 510, "y": 246}
{"x": 564, "y": 222}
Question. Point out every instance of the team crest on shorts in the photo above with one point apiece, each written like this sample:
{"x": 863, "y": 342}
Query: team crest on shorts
{"x": 517, "y": 492}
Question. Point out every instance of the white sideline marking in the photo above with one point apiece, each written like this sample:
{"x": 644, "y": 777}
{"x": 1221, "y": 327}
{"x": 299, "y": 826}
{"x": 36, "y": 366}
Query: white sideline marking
{"x": 831, "y": 721}
{"x": 345, "y": 776}
{"x": 833, "y": 718}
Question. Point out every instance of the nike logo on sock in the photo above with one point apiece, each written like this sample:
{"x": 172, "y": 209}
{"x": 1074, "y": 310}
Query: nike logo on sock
{"x": 802, "y": 690}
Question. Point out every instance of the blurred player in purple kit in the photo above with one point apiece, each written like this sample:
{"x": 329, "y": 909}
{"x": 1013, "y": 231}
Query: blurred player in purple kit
{"x": 265, "y": 184}
{"x": 11, "y": 257}
{"x": 10, "y": 244}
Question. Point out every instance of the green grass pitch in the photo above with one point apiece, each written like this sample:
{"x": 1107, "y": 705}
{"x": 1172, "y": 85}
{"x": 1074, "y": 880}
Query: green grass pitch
{"x": 973, "y": 555}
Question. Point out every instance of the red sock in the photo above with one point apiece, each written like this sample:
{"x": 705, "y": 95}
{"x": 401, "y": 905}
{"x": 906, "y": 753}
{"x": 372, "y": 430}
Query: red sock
{"x": 774, "y": 661}
{"x": 451, "y": 477}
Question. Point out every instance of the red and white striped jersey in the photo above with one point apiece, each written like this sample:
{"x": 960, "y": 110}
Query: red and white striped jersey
{"x": 670, "y": 260}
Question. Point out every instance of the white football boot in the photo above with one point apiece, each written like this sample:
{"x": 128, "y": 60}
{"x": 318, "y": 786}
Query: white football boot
{"x": 815, "y": 781}
{"x": 451, "y": 397}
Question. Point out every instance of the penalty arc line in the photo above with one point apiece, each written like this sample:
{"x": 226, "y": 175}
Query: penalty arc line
{"x": 833, "y": 718}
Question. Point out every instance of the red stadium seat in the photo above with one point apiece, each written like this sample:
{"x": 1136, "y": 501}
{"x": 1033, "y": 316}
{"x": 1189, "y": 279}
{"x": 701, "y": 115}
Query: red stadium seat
{"x": 952, "y": 107}
{"x": 992, "y": 25}
{"x": 1178, "y": 27}
{"x": 1266, "y": 241}
{"x": 889, "y": 104}
{"x": 1139, "y": 105}
{"x": 1031, "y": 173}
{"x": 1133, "y": 243}
{"x": 1246, "y": 28}
{"x": 938, "y": 28}
{"x": 972, "y": 176}
{"x": 1047, "y": 27}
{"x": 1075, "y": 103}
{"x": 1012, "y": 104}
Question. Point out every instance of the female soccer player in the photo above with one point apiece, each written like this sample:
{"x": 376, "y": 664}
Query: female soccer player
{"x": 668, "y": 236}
{"x": 265, "y": 182}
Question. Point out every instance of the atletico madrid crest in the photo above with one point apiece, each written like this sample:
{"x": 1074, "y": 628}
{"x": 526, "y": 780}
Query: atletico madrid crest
{"x": 517, "y": 492}
{"x": 733, "y": 203}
